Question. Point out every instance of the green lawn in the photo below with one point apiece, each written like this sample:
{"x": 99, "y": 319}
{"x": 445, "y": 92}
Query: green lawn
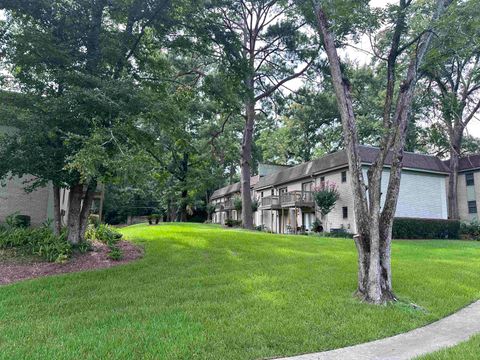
{"x": 467, "y": 350}
{"x": 202, "y": 292}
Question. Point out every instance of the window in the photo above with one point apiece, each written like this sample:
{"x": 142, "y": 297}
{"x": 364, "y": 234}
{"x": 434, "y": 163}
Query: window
{"x": 283, "y": 190}
{"x": 273, "y": 192}
{"x": 262, "y": 194}
{"x": 322, "y": 179}
{"x": 469, "y": 179}
{"x": 472, "y": 207}
{"x": 345, "y": 212}
{"x": 344, "y": 176}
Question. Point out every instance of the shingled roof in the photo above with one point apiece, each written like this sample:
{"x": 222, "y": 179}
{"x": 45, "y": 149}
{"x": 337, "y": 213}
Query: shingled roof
{"x": 232, "y": 189}
{"x": 466, "y": 163}
{"x": 339, "y": 159}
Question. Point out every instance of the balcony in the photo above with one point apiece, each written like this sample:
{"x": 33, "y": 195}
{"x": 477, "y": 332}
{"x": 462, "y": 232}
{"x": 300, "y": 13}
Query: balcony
{"x": 299, "y": 199}
{"x": 219, "y": 206}
{"x": 270, "y": 203}
{"x": 229, "y": 204}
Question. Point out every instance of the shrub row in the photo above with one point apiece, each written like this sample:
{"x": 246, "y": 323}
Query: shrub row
{"x": 36, "y": 241}
{"x": 412, "y": 228}
{"x": 233, "y": 223}
{"x": 470, "y": 231}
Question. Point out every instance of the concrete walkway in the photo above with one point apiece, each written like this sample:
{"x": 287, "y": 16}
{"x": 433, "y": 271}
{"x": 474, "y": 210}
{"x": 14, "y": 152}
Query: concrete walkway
{"x": 444, "y": 333}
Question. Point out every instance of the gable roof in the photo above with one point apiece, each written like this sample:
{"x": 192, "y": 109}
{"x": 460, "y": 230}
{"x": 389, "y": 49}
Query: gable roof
{"x": 339, "y": 159}
{"x": 232, "y": 189}
{"x": 470, "y": 162}
{"x": 411, "y": 160}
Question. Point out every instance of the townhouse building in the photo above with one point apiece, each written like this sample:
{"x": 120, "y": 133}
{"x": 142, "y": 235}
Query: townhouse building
{"x": 287, "y": 205}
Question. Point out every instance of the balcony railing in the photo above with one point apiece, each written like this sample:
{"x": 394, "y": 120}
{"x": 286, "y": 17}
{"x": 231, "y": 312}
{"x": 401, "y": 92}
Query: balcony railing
{"x": 298, "y": 199}
{"x": 290, "y": 199}
{"x": 270, "y": 202}
{"x": 219, "y": 206}
{"x": 229, "y": 204}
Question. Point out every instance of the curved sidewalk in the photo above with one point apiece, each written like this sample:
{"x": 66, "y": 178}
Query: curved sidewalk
{"x": 444, "y": 333}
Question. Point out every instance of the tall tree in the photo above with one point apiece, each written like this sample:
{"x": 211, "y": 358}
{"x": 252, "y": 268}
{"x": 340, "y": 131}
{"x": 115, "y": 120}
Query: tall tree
{"x": 453, "y": 71}
{"x": 74, "y": 59}
{"x": 374, "y": 223}
{"x": 265, "y": 46}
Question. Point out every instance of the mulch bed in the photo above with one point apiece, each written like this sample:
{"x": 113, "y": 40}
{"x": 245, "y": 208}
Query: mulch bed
{"x": 14, "y": 271}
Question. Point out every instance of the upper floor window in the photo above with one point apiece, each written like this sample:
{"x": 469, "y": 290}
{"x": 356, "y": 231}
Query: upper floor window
{"x": 345, "y": 212}
{"x": 322, "y": 179}
{"x": 472, "y": 207}
{"x": 344, "y": 176}
{"x": 469, "y": 179}
{"x": 273, "y": 192}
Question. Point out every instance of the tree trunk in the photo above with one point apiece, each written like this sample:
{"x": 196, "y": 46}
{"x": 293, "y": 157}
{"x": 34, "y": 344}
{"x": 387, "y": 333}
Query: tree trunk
{"x": 247, "y": 215}
{"x": 182, "y": 209}
{"x": 57, "y": 216}
{"x": 455, "y": 148}
{"x": 74, "y": 211}
{"x": 374, "y": 225}
{"x": 86, "y": 207}
{"x": 79, "y": 206}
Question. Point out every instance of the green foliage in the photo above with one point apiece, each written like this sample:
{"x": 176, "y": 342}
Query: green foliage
{"x": 317, "y": 225}
{"x": 115, "y": 253}
{"x": 413, "y": 228}
{"x": 255, "y": 205}
{"x": 233, "y": 223}
{"x": 17, "y": 220}
{"x": 36, "y": 241}
{"x": 210, "y": 208}
{"x": 103, "y": 233}
{"x": 108, "y": 236}
{"x": 326, "y": 196}
{"x": 470, "y": 230}
{"x": 237, "y": 203}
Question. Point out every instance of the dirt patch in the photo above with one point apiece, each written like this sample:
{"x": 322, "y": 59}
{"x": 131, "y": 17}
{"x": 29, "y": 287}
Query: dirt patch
{"x": 13, "y": 270}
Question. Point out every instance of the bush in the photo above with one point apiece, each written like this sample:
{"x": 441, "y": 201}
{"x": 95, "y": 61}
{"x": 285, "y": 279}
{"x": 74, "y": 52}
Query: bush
{"x": 18, "y": 220}
{"x": 40, "y": 241}
{"x": 233, "y": 223}
{"x": 471, "y": 230}
{"x": 103, "y": 233}
{"x": 237, "y": 203}
{"x": 413, "y": 228}
{"x": 107, "y": 235}
{"x": 317, "y": 226}
{"x": 326, "y": 196}
{"x": 153, "y": 218}
{"x": 115, "y": 253}
{"x": 340, "y": 233}
{"x": 94, "y": 219}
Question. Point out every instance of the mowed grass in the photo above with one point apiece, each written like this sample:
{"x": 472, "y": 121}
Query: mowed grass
{"x": 203, "y": 292}
{"x": 467, "y": 350}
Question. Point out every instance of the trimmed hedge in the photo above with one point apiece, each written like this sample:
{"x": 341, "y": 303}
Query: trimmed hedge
{"x": 413, "y": 228}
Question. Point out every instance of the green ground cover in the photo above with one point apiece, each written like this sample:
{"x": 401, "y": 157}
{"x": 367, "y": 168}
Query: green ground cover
{"x": 203, "y": 292}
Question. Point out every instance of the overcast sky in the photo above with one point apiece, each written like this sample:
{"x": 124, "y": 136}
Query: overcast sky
{"x": 363, "y": 57}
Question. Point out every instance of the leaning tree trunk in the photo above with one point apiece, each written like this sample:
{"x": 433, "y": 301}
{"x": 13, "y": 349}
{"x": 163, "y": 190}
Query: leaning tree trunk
{"x": 57, "y": 215}
{"x": 455, "y": 147}
{"x": 246, "y": 161}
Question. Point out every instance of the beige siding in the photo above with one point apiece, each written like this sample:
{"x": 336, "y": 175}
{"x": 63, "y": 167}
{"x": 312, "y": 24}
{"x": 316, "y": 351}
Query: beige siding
{"x": 468, "y": 193}
{"x": 335, "y": 219}
{"x": 13, "y": 198}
